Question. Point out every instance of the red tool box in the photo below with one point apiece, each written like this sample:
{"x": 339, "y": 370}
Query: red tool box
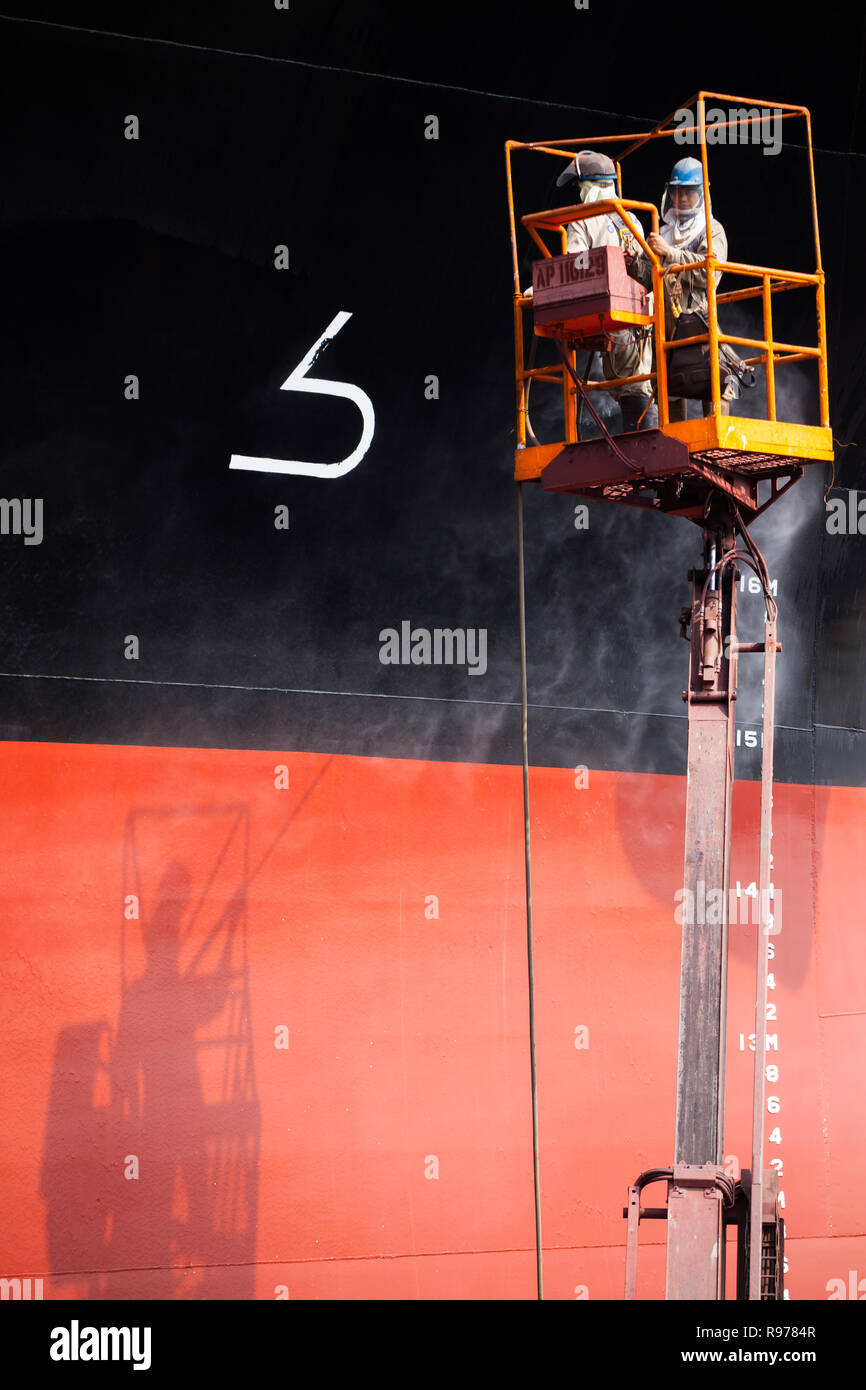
{"x": 587, "y": 293}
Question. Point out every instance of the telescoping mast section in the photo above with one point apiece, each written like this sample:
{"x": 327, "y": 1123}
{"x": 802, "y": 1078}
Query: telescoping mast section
{"x": 720, "y": 471}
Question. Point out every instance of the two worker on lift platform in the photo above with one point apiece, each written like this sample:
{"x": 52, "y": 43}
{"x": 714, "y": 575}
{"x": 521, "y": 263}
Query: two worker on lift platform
{"x": 682, "y": 239}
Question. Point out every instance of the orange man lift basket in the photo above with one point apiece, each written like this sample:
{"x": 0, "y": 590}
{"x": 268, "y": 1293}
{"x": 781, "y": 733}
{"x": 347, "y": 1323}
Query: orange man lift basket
{"x": 577, "y": 300}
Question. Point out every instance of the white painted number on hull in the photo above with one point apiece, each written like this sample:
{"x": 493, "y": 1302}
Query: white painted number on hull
{"x": 298, "y": 381}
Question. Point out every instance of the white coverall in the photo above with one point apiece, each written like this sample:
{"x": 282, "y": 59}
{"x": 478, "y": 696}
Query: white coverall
{"x": 631, "y": 352}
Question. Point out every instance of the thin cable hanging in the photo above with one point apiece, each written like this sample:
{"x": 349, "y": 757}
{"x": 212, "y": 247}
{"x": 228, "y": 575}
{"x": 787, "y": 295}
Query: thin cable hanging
{"x": 524, "y": 707}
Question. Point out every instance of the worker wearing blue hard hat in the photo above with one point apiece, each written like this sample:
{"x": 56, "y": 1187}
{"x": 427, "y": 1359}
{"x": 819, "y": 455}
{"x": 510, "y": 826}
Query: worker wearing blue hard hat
{"x": 681, "y": 239}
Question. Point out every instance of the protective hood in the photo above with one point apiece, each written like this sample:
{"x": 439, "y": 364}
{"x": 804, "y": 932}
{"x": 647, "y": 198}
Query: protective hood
{"x": 587, "y": 164}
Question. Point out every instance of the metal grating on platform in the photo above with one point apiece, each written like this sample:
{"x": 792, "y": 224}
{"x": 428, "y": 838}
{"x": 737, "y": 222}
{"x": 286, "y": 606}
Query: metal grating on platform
{"x": 753, "y": 464}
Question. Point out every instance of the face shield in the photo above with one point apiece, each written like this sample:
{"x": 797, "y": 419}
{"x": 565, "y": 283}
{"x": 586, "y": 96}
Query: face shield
{"x": 682, "y": 204}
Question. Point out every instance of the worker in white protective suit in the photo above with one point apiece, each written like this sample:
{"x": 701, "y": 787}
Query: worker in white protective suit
{"x": 682, "y": 238}
{"x": 631, "y": 349}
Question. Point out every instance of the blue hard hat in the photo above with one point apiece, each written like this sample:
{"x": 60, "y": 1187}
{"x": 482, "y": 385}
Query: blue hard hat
{"x": 687, "y": 173}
